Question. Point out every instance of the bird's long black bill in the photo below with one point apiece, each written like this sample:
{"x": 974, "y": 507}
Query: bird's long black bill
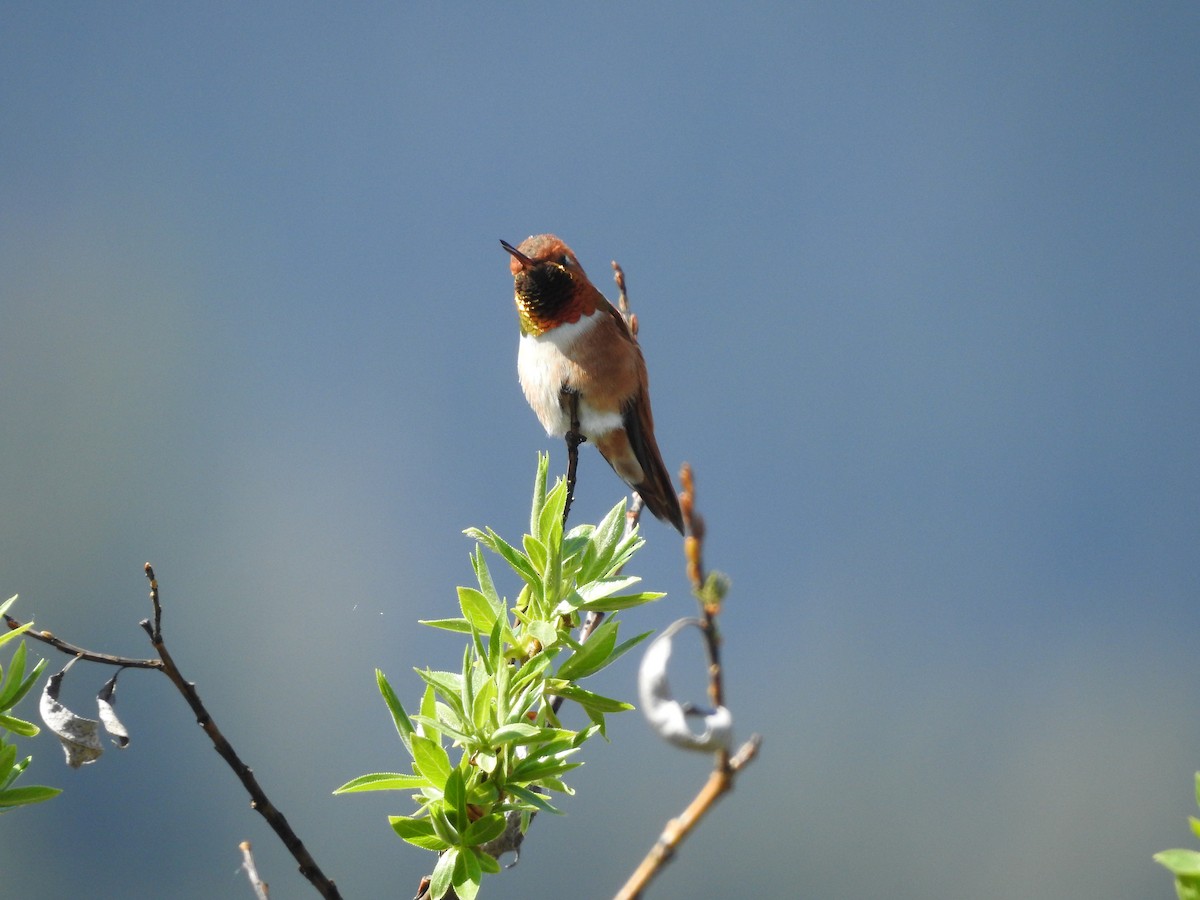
{"x": 520, "y": 257}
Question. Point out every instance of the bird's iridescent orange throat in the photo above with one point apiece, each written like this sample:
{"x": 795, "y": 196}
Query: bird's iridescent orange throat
{"x": 547, "y": 296}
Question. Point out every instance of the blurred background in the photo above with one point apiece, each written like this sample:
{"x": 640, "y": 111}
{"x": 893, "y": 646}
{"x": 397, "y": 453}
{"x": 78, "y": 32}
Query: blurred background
{"x": 918, "y": 287}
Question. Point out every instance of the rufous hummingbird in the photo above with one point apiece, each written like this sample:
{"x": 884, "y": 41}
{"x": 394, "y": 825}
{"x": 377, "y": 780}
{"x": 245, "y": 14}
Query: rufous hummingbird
{"x": 576, "y": 349}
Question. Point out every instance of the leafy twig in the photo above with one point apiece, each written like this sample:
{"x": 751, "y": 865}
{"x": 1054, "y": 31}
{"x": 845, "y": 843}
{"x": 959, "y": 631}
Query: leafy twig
{"x": 488, "y": 749}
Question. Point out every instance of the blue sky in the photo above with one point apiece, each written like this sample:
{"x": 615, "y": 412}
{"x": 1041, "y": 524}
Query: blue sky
{"x": 918, "y": 292}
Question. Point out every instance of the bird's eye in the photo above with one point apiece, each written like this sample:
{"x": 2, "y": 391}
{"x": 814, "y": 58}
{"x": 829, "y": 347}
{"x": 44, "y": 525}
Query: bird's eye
{"x": 567, "y": 259}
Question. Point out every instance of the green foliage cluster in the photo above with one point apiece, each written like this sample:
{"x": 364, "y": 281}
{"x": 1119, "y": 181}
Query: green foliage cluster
{"x": 497, "y": 712}
{"x": 1185, "y": 864}
{"x": 15, "y": 683}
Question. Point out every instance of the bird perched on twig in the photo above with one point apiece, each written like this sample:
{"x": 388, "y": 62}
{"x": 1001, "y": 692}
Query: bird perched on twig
{"x": 578, "y": 360}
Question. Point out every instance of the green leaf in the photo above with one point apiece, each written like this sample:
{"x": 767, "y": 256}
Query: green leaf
{"x": 23, "y": 796}
{"x": 549, "y": 524}
{"x": 478, "y": 611}
{"x": 503, "y": 685}
{"x": 443, "y": 874}
{"x": 597, "y": 719}
{"x": 574, "y": 547}
{"x": 404, "y": 727}
{"x": 418, "y": 832}
{"x": 446, "y": 723}
{"x": 523, "y": 598}
{"x": 521, "y": 704}
{"x": 443, "y": 827}
{"x": 448, "y": 686}
{"x": 462, "y": 626}
{"x": 625, "y": 646}
{"x": 539, "y": 491}
{"x": 629, "y": 545}
{"x": 593, "y": 655}
{"x": 466, "y": 875}
{"x": 511, "y": 555}
{"x": 553, "y": 784}
{"x": 431, "y": 759}
{"x": 484, "y": 577}
{"x": 13, "y": 634}
{"x": 605, "y": 587}
{"x": 18, "y": 726}
{"x": 483, "y": 830}
{"x": 584, "y": 735}
{"x": 517, "y": 733}
{"x": 383, "y": 781}
{"x": 590, "y": 700}
{"x": 485, "y": 703}
{"x": 485, "y": 760}
{"x": 456, "y": 800}
{"x": 537, "y": 769}
{"x": 450, "y": 720}
{"x": 487, "y": 862}
{"x": 25, "y": 686}
{"x": 10, "y": 769}
{"x": 546, "y": 633}
{"x": 11, "y": 681}
{"x": 532, "y": 799}
{"x": 531, "y": 669}
{"x": 715, "y": 588}
{"x": 626, "y": 601}
{"x": 597, "y": 558}
{"x": 537, "y": 553}
{"x": 429, "y": 711}
{"x": 484, "y": 794}
{"x": 495, "y": 647}
{"x": 1181, "y": 862}
{"x": 467, "y": 695}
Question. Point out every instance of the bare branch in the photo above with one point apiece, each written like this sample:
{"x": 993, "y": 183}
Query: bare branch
{"x": 709, "y": 594}
{"x": 70, "y": 649}
{"x": 574, "y": 439}
{"x": 261, "y": 890}
{"x": 258, "y": 797}
{"x": 166, "y": 664}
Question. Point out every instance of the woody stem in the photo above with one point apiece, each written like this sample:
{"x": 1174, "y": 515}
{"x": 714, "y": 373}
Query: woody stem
{"x": 574, "y": 439}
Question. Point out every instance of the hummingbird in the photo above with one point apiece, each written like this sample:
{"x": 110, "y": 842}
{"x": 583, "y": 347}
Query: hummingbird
{"x": 576, "y": 349}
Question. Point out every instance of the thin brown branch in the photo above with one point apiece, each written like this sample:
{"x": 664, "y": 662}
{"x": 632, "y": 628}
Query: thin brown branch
{"x": 166, "y": 664}
{"x": 710, "y": 604}
{"x": 574, "y": 439}
{"x": 258, "y": 797}
{"x": 720, "y": 781}
{"x": 70, "y": 649}
{"x": 623, "y": 300}
{"x": 155, "y": 631}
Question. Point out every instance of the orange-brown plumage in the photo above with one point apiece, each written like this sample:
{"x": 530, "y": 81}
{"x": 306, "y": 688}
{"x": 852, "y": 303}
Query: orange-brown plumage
{"x": 573, "y": 341}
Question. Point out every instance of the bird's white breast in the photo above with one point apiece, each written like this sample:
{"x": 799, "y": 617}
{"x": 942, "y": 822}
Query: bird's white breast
{"x": 544, "y": 366}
